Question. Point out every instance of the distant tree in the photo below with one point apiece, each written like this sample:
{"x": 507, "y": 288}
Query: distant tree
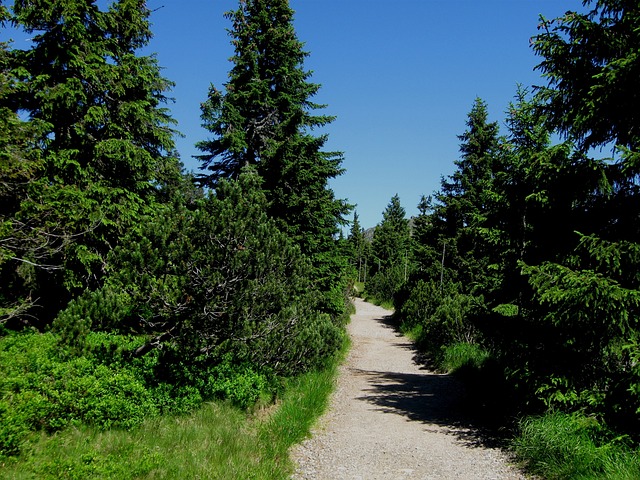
{"x": 357, "y": 246}
{"x": 391, "y": 250}
{"x": 392, "y": 237}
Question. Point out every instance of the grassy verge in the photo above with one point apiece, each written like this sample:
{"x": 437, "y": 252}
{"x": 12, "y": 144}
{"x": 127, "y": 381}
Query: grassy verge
{"x": 218, "y": 440}
{"x": 564, "y": 446}
{"x": 386, "y": 304}
{"x": 552, "y": 446}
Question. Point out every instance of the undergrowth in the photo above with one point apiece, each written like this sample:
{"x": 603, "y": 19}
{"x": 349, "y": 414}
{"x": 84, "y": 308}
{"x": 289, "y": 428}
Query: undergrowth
{"x": 573, "y": 446}
{"x": 176, "y": 433}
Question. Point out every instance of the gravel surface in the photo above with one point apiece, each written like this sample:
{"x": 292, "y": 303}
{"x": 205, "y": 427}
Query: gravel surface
{"x": 390, "y": 418}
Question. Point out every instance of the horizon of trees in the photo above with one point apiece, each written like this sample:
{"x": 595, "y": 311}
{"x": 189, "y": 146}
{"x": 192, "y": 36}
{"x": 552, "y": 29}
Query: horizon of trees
{"x": 529, "y": 250}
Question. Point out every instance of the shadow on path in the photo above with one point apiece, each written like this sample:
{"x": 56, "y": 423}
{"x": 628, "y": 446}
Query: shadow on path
{"x": 428, "y": 398}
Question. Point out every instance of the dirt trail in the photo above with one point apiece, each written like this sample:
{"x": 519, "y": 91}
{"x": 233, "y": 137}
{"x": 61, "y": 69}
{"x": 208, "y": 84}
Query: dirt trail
{"x": 391, "y": 419}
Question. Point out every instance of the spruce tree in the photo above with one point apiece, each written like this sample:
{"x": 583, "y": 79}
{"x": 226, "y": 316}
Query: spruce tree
{"x": 591, "y": 62}
{"x": 589, "y": 296}
{"x": 465, "y": 199}
{"x": 392, "y": 237}
{"x": 107, "y": 146}
{"x": 357, "y": 246}
{"x": 391, "y": 253}
{"x": 264, "y": 117}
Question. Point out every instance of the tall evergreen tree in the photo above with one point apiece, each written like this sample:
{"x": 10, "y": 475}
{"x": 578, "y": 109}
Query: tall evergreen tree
{"x": 264, "y": 118}
{"x": 591, "y": 63}
{"x": 107, "y": 143}
{"x": 391, "y": 249}
{"x": 590, "y": 296}
{"x": 465, "y": 200}
{"x": 391, "y": 239}
{"x": 356, "y": 243}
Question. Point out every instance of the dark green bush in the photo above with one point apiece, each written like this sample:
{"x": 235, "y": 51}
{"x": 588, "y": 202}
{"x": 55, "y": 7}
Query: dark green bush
{"x": 383, "y": 285}
{"x": 213, "y": 280}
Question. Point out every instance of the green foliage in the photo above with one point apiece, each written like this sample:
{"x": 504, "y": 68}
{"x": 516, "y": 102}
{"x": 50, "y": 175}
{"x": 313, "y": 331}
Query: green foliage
{"x": 98, "y": 148}
{"x": 213, "y": 280}
{"x": 594, "y": 312}
{"x": 391, "y": 262}
{"x": 590, "y": 61}
{"x": 264, "y": 119}
{"x": 382, "y": 286}
{"x": 462, "y": 356}
{"x": 441, "y": 315}
{"x": 222, "y": 441}
{"x": 562, "y": 446}
{"x": 42, "y": 390}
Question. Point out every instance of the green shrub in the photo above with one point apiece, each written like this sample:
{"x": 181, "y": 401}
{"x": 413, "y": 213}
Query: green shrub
{"x": 383, "y": 285}
{"x": 43, "y": 389}
{"x": 218, "y": 278}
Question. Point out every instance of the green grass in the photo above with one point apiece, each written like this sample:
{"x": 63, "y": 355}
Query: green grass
{"x": 218, "y": 441}
{"x": 563, "y": 446}
{"x": 463, "y": 356}
{"x": 358, "y": 288}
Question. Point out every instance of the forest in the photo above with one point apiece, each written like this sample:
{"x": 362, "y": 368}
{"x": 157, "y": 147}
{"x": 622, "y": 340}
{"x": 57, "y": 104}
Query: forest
{"x": 131, "y": 289}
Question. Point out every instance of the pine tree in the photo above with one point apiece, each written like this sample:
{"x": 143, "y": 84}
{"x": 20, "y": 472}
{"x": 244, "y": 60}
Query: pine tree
{"x": 465, "y": 200}
{"x": 264, "y": 118}
{"x": 589, "y": 296}
{"x": 590, "y": 61}
{"x": 392, "y": 237}
{"x": 391, "y": 251}
{"x": 107, "y": 146}
{"x": 357, "y": 246}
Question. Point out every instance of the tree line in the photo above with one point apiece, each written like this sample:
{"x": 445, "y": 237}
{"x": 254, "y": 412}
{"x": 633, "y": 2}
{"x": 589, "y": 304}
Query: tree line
{"x": 529, "y": 251}
{"x": 109, "y": 248}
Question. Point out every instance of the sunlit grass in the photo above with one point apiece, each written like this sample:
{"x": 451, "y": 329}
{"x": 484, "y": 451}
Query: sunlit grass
{"x": 218, "y": 441}
{"x": 563, "y": 446}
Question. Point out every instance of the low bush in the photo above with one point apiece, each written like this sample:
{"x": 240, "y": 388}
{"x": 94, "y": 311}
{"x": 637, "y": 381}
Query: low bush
{"x": 218, "y": 440}
{"x": 382, "y": 286}
{"x": 45, "y": 388}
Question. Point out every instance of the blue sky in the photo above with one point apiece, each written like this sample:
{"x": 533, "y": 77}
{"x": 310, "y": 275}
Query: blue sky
{"x": 400, "y": 75}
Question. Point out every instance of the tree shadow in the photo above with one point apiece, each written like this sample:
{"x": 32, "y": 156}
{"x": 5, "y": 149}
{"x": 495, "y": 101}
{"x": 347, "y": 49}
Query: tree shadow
{"x": 432, "y": 399}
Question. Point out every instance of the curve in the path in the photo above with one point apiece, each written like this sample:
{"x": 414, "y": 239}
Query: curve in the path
{"x": 390, "y": 418}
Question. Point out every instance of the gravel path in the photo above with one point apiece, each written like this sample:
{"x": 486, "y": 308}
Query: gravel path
{"x": 391, "y": 419}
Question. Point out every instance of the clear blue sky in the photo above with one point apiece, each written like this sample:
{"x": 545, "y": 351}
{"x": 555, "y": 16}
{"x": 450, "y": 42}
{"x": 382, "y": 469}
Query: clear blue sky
{"x": 400, "y": 75}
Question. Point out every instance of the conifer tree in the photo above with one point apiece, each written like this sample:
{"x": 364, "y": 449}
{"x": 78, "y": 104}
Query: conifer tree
{"x": 590, "y": 295}
{"x": 357, "y": 246}
{"x": 465, "y": 199}
{"x": 107, "y": 143}
{"x": 391, "y": 250}
{"x": 392, "y": 237}
{"x": 264, "y": 118}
